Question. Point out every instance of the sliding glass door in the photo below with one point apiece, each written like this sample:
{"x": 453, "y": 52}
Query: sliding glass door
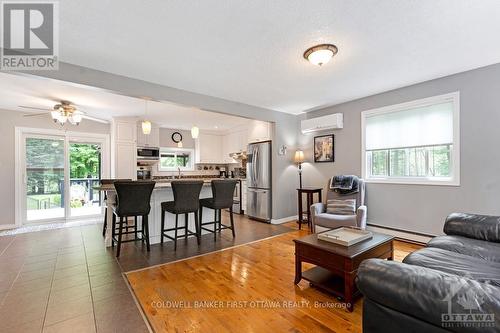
{"x": 44, "y": 177}
{"x": 59, "y": 173}
{"x": 84, "y": 175}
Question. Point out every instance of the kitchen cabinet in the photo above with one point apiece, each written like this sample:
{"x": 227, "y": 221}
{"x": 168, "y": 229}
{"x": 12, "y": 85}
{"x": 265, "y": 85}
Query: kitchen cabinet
{"x": 148, "y": 140}
{"x": 125, "y": 160}
{"x": 124, "y": 148}
{"x": 208, "y": 148}
{"x": 234, "y": 142}
{"x": 228, "y": 147}
{"x": 259, "y": 131}
{"x": 242, "y": 140}
{"x": 124, "y": 131}
{"x": 244, "y": 195}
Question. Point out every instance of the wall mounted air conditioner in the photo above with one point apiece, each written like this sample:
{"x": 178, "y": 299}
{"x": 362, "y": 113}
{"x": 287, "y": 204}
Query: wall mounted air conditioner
{"x": 332, "y": 121}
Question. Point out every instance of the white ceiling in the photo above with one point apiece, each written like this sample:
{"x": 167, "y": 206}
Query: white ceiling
{"x": 251, "y": 51}
{"x": 16, "y": 90}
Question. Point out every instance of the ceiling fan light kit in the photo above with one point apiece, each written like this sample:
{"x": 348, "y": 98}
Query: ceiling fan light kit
{"x": 320, "y": 54}
{"x": 62, "y": 113}
{"x": 76, "y": 118}
{"x": 65, "y": 112}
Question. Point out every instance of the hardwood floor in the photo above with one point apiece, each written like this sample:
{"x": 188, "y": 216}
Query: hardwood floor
{"x": 248, "y": 288}
{"x": 133, "y": 255}
{"x": 402, "y": 249}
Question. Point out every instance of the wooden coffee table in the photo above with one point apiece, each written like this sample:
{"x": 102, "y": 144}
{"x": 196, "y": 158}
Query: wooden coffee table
{"x": 337, "y": 265}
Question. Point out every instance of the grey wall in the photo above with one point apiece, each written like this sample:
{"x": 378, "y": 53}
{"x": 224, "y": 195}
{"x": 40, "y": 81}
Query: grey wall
{"x": 286, "y": 125}
{"x": 166, "y": 138}
{"x": 8, "y": 121}
{"x": 422, "y": 208}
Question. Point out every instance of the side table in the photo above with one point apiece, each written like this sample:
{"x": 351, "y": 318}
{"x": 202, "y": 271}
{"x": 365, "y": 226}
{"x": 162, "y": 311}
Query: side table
{"x": 309, "y": 191}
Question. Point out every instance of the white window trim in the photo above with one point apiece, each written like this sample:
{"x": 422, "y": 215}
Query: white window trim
{"x": 172, "y": 149}
{"x": 454, "y": 180}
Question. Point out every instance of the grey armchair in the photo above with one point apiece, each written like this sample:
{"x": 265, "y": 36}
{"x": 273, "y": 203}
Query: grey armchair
{"x": 319, "y": 216}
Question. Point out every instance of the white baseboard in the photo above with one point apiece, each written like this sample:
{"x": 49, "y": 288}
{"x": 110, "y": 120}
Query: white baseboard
{"x": 285, "y": 219}
{"x": 400, "y": 234}
{"x": 7, "y": 226}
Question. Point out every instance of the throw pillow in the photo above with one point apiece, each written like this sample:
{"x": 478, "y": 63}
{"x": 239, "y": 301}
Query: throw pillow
{"x": 341, "y": 207}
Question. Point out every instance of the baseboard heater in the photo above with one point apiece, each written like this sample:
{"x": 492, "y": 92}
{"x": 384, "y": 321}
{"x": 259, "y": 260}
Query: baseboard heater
{"x": 406, "y": 235}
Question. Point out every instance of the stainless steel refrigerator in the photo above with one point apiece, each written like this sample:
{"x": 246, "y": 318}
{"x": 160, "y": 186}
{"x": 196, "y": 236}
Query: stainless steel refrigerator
{"x": 259, "y": 195}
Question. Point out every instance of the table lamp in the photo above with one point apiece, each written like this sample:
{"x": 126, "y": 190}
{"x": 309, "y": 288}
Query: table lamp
{"x": 299, "y": 159}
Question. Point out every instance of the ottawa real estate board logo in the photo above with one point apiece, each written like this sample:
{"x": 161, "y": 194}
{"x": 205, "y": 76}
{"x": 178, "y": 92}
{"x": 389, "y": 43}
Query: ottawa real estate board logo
{"x": 467, "y": 306}
{"x": 30, "y": 35}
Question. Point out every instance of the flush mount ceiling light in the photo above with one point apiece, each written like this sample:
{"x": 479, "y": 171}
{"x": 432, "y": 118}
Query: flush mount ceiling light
{"x": 320, "y": 54}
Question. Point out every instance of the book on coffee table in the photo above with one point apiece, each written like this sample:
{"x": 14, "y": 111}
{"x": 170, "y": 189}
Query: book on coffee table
{"x": 345, "y": 236}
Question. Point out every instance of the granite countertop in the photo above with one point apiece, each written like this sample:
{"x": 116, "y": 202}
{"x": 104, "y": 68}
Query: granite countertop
{"x": 163, "y": 183}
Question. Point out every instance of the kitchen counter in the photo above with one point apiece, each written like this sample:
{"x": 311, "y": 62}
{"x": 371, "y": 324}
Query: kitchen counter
{"x": 162, "y": 192}
{"x": 161, "y": 183}
{"x": 158, "y": 185}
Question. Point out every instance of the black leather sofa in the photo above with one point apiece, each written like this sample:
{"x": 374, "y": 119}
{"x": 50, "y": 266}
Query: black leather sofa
{"x": 451, "y": 285}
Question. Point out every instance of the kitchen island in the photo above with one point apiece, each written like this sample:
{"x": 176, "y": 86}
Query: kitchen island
{"x": 162, "y": 192}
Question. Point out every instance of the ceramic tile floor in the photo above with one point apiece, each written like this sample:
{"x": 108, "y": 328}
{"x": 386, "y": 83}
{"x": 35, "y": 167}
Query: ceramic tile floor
{"x": 64, "y": 280}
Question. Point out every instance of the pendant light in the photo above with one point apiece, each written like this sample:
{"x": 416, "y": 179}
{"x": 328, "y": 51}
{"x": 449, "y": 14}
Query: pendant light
{"x": 146, "y": 124}
{"x": 195, "y": 131}
{"x": 146, "y": 127}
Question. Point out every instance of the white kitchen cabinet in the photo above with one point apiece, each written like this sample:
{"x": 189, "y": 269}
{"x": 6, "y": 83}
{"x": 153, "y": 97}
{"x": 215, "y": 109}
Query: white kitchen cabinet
{"x": 234, "y": 142}
{"x": 148, "y": 140}
{"x": 124, "y": 131}
{"x": 125, "y": 160}
{"x": 208, "y": 148}
{"x": 229, "y": 146}
{"x": 124, "y": 148}
{"x": 259, "y": 131}
{"x": 242, "y": 137}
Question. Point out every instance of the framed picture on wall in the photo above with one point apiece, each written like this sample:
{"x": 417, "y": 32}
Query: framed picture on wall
{"x": 324, "y": 149}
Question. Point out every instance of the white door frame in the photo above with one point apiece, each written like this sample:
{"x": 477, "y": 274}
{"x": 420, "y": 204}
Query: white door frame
{"x": 67, "y": 136}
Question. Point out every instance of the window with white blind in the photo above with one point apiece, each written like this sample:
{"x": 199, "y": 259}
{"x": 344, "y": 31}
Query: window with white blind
{"x": 413, "y": 143}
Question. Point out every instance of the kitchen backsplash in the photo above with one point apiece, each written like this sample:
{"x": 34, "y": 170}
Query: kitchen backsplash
{"x": 199, "y": 169}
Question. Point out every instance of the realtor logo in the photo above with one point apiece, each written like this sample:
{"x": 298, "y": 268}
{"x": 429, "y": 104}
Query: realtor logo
{"x": 465, "y": 308}
{"x": 30, "y": 35}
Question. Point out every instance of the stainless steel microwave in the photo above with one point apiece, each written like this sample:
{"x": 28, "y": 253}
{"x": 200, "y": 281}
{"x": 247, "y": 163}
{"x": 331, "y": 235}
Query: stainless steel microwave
{"x": 148, "y": 153}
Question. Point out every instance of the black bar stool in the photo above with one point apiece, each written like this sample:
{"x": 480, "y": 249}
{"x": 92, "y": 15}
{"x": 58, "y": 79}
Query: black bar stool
{"x": 186, "y": 200}
{"x": 133, "y": 199}
{"x": 222, "y": 198}
{"x": 107, "y": 182}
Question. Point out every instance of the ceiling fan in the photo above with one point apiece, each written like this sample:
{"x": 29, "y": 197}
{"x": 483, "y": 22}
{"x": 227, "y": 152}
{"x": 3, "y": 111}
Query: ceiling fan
{"x": 62, "y": 113}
